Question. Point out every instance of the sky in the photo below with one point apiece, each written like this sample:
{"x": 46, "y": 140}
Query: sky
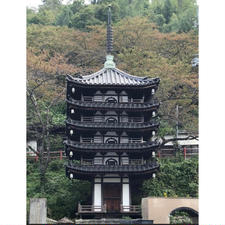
{"x": 36, "y": 3}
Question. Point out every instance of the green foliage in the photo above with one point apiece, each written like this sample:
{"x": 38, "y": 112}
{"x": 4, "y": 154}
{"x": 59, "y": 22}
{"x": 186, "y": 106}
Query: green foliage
{"x": 58, "y": 114}
{"x": 180, "y": 218}
{"x": 62, "y": 194}
{"x": 169, "y": 15}
{"x": 64, "y": 18}
{"x": 174, "y": 15}
{"x": 85, "y": 17}
{"x": 176, "y": 178}
{"x": 165, "y": 129}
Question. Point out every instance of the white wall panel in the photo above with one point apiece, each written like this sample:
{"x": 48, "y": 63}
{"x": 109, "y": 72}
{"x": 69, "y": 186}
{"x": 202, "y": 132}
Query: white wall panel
{"x": 126, "y": 196}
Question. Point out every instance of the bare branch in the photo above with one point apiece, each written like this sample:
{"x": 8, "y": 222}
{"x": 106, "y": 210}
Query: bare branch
{"x": 54, "y": 101}
{"x": 35, "y": 104}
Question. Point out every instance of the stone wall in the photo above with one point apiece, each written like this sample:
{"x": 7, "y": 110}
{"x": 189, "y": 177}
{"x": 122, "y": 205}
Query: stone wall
{"x": 38, "y": 211}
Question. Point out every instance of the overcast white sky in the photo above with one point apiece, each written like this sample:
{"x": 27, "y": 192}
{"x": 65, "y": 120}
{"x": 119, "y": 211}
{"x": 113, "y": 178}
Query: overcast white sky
{"x": 36, "y": 3}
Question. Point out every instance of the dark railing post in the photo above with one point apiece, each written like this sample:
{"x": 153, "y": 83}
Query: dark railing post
{"x": 121, "y": 208}
{"x": 36, "y": 158}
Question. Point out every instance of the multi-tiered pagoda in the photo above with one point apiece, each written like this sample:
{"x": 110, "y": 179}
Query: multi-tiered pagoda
{"x": 110, "y": 126}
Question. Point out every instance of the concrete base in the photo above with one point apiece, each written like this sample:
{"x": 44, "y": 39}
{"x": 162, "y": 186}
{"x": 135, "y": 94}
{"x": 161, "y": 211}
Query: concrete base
{"x": 114, "y": 221}
{"x": 159, "y": 209}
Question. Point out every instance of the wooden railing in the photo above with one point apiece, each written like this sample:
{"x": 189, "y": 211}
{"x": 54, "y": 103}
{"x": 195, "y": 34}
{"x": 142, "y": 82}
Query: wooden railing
{"x": 171, "y": 152}
{"x": 91, "y": 208}
{"x": 130, "y": 209}
{"x": 103, "y": 209}
{"x": 53, "y": 155}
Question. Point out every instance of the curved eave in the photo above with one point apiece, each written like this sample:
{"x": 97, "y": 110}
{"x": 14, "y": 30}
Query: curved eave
{"x": 153, "y": 83}
{"x": 116, "y": 106}
{"x": 103, "y": 147}
{"x": 112, "y": 126}
{"x": 87, "y": 172}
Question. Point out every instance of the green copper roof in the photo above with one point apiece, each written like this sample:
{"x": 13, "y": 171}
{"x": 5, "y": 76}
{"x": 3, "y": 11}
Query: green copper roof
{"x": 109, "y": 63}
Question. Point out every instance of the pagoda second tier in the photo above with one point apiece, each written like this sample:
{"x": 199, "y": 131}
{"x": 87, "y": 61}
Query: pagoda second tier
{"x": 103, "y": 147}
{"x": 133, "y": 107}
{"x": 79, "y": 125}
{"x": 90, "y": 171}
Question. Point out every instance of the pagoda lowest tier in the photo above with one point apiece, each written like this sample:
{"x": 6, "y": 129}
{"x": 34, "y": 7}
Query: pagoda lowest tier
{"x": 88, "y": 171}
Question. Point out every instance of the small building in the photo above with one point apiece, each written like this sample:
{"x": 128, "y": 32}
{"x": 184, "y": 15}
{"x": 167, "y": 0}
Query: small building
{"x": 187, "y": 146}
{"x": 31, "y": 144}
{"x": 111, "y": 120}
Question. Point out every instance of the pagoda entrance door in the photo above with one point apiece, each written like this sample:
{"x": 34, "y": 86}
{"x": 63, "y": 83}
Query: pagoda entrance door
{"x": 112, "y": 197}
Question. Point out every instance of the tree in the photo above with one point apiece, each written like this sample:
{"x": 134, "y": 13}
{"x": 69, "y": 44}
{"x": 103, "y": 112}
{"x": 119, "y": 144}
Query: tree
{"x": 85, "y": 18}
{"x": 143, "y": 50}
{"x": 45, "y": 90}
{"x": 62, "y": 194}
{"x": 176, "y": 178}
{"x": 140, "y": 49}
{"x": 174, "y": 15}
{"x": 42, "y": 112}
{"x": 167, "y": 10}
{"x": 65, "y": 17}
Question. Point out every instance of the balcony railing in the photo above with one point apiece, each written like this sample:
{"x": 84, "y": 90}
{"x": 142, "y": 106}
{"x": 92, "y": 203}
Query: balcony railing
{"x": 91, "y": 162}
{"x": 115, "y": 126}
{"x": 116, "y": 147}
{"x": 91, "y": 209}
{"x": 118, "y": 106}
{"x": 88, "y": 209}
{"x": 130, "y": 209}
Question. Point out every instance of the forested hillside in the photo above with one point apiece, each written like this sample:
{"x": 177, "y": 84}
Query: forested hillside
{"x": 157, "y": 38}
{"x": 140, "y": 48}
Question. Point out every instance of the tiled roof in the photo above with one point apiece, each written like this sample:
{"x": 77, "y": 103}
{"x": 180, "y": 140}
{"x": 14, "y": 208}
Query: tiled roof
{"x": 114, "y": 76}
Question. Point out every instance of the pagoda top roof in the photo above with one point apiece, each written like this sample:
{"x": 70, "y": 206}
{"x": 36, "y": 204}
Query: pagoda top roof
{"x": 113, "y": 76}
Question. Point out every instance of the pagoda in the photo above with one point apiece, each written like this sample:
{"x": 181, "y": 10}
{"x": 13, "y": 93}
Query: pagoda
{"x": 110, "y": 127}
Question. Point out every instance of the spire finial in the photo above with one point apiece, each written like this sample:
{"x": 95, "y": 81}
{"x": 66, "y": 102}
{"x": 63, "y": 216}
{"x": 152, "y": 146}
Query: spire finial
{"x": 109, "y": 32}
{"x": 109, "y": 64}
